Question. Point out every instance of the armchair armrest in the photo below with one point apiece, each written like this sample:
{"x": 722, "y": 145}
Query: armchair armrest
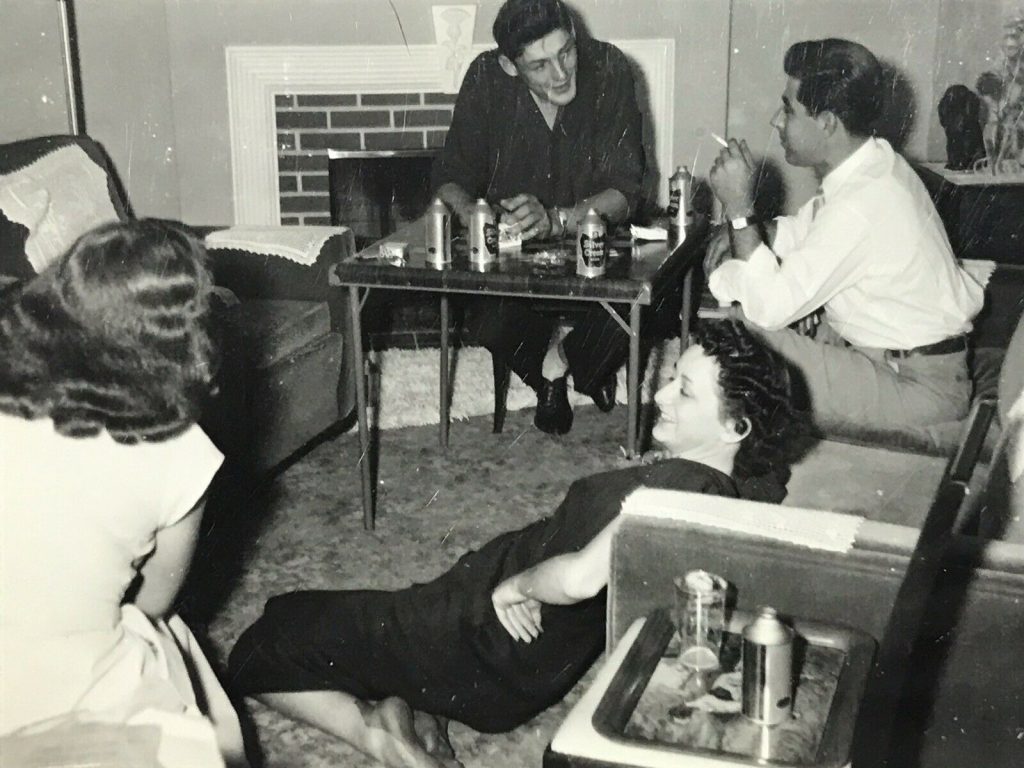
{"x": 277, "y": 262}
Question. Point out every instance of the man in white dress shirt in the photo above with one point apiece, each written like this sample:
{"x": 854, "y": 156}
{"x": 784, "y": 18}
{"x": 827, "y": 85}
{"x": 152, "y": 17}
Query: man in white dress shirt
{"x": 868, "y": 250}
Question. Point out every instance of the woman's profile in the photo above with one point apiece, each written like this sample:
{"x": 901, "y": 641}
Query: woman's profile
{"x": 105, "y": 362}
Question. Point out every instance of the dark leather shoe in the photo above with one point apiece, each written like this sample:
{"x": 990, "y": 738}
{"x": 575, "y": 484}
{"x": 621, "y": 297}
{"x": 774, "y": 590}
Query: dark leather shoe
{"x": 604, "y": 396}
{"x": 554, "y": 414}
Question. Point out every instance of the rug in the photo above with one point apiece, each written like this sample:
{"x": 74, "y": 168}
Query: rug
{"x": 304, "y": 531}
{"x": 407, "y": 384}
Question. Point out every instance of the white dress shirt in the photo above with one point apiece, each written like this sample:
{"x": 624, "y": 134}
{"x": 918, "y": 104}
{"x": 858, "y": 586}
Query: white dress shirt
{"x": 875, "y": 256}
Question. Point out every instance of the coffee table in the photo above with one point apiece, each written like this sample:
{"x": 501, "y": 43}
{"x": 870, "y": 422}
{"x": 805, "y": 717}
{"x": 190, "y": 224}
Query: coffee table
{"x": 543, "y": 271}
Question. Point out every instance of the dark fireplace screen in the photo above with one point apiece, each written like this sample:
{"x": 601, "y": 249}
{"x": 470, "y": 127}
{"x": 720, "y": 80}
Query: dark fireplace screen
{"x": 375, "y": 192}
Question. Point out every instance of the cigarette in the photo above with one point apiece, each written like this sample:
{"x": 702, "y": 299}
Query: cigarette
{"x": 719, "y": 139}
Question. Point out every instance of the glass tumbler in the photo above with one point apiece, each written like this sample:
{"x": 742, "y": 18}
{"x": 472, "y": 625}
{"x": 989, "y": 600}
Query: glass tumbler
{"x": 700, "y": 620}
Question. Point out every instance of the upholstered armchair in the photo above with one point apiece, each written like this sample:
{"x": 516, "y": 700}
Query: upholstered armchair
{"x": 284, "y": 371}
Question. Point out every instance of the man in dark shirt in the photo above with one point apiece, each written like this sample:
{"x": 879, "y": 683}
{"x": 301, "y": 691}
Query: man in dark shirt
{"x": 511, "y": 627}
{"x": 545, "y": 128}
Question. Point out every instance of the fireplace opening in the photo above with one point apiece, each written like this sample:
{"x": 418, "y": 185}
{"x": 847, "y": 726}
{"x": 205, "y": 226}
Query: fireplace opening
{"x": 373, "y": 193}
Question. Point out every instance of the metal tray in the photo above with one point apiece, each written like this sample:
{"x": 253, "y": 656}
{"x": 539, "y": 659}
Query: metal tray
{"x": 815, "y": 738}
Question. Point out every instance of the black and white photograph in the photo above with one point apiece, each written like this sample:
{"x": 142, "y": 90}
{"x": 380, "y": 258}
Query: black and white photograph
{"x": 511, "y": 383}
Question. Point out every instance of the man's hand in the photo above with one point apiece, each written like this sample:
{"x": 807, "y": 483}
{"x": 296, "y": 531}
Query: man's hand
{"x": 527, "y": 217}
{"x": 732, "y": 178}
{"x": 719, "y": 249}
{"x": 518, "y": 614}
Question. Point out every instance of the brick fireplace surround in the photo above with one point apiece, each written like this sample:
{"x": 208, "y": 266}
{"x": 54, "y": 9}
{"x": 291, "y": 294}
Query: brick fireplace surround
{"x": 308, "y": 125}
{"x": 288, "y": 104}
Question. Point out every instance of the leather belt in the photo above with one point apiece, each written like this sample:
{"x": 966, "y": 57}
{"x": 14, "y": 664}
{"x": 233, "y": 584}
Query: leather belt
{"x": 944, "y": 347}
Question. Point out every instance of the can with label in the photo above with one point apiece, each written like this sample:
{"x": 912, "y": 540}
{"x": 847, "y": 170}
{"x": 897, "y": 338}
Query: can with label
{"x": 439, "y": 233}
{"x": 591, "y": 246}
{"x": 680, "y": 201}
{"x": 767, "y": 669}
{"x": 483, "y": 234}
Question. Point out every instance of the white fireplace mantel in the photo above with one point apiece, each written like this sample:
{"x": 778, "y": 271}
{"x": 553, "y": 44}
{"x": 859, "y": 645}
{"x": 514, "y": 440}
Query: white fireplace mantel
{"x": 257, "y": 73}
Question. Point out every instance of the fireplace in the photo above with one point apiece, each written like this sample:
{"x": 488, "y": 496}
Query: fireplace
{"x": 288, "y": 105}
{"x": 374, "y": 193}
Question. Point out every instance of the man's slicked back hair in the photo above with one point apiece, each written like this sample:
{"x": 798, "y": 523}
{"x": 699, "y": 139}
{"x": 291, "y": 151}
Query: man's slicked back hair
{"x": 838, "y": 76}
{"x": 521, "y": 22}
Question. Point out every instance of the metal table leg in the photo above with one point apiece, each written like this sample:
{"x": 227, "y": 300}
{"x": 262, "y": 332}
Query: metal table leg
{"x": 443, "y": 425}
{"x": 359, "y": 372}
{"x": 633, "y": 375}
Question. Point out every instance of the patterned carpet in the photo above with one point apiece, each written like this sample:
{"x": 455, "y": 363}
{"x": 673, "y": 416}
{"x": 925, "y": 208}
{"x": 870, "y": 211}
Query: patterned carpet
{"x": 305, "y": 531}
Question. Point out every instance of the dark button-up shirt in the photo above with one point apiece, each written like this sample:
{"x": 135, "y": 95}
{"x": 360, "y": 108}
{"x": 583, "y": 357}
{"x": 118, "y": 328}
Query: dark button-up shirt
{"x": 499, "y": 144}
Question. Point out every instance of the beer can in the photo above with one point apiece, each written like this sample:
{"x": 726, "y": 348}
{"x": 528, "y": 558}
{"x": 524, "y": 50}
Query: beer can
{"x": 591, "y": 246}
{"x": 439, "y": 233}
{"x": 483, "y": 234}
{"x": 767, "y": 669}
{"x": 680, "y": 202}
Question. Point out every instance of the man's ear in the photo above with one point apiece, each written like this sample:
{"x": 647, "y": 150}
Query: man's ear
{"x": 736, "y": 431}
{"x": 508, "y": 65}
{"x": 828, "y": 121}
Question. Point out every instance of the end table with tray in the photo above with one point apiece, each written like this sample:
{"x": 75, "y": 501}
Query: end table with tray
{"x": 635, "y": 713}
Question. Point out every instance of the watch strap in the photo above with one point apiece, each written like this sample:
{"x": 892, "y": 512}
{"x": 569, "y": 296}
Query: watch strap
{"x": 742, "y": 222}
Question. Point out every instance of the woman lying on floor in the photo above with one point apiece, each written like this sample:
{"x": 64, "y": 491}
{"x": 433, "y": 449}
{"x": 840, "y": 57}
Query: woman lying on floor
{"x": 512, "y": 627}
{"x": 104, "y": 364}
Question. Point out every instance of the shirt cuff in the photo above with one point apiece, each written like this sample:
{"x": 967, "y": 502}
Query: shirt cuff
{"x": 729, "y": 282}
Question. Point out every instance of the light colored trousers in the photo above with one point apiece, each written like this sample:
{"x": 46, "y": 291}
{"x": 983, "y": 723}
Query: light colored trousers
{"x": 868, "y": 388}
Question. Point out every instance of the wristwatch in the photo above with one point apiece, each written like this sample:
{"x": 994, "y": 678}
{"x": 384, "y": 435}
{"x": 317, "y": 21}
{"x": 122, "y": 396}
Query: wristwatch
{"x": 742, "y": 222}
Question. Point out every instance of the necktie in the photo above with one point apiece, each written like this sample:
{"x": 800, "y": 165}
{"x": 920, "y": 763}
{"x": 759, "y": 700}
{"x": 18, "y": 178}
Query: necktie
{"x": 817, "y": 203}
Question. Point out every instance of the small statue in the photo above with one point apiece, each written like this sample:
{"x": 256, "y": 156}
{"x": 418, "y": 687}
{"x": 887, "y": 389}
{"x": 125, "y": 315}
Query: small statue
{"x": 960, "y": 117}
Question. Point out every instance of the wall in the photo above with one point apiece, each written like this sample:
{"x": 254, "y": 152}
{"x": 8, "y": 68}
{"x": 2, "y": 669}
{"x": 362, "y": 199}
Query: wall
{"x": 155, "y": 86}
{"x": 199, "y": 30}
{"x": 31, "y": 73}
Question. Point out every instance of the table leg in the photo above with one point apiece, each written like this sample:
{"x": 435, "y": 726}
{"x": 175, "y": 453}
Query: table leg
{"x": 359, "y": 372}
{"x": 687, "y": 311}
{"x": 443, "y": 425}
{"x": 633, "y": 374}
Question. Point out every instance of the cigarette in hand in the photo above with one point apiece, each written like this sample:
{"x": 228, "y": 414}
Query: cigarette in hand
{"x": 719, "y": 139}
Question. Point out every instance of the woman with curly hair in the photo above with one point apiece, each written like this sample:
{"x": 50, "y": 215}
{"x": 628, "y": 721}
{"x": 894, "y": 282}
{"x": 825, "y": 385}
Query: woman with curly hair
{"x": 105, "y": 362}
{"x": 511, "y": 627}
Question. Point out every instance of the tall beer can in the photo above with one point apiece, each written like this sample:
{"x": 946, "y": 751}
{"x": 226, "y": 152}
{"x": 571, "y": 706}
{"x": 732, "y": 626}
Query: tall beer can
{"x": 767, "y": 669}
{"x": 483, "y": 234}
{"x": 680, "y": 202}
{"x": 439, "y": 233}
{"x": 591, "y": 246}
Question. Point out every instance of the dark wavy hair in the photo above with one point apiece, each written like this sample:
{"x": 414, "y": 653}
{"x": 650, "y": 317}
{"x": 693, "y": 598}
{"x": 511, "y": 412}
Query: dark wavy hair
{"x": 113, "y": 335}
{"x": 521, "y": 22}
{"x": 838, "y": 76}
{"x": 755, "y": 387}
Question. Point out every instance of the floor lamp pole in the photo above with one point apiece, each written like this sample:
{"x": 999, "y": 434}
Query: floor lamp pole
{"x": 69, "y": 51}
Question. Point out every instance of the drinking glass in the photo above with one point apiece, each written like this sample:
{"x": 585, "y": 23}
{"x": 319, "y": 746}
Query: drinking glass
{"x": 700, "y": 620}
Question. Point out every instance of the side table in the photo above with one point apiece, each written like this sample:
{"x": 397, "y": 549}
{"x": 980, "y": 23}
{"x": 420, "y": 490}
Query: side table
{"x": 983, "y": 214}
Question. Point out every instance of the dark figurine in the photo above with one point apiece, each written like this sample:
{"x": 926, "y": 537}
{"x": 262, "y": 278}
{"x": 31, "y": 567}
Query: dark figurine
{"x": 960, "y": 117}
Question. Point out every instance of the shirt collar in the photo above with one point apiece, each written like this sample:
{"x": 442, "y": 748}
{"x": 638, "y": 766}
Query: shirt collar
{"x": 861, "y": 157}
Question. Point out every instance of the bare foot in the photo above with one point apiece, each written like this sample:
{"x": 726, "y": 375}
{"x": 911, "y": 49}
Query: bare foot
{"x": 392, "y": 739}
{"x": 433, "y": 732}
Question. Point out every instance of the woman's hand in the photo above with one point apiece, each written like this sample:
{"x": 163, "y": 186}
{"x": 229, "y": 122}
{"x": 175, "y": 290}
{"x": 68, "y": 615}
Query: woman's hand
{"x": 518, "y": 613}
